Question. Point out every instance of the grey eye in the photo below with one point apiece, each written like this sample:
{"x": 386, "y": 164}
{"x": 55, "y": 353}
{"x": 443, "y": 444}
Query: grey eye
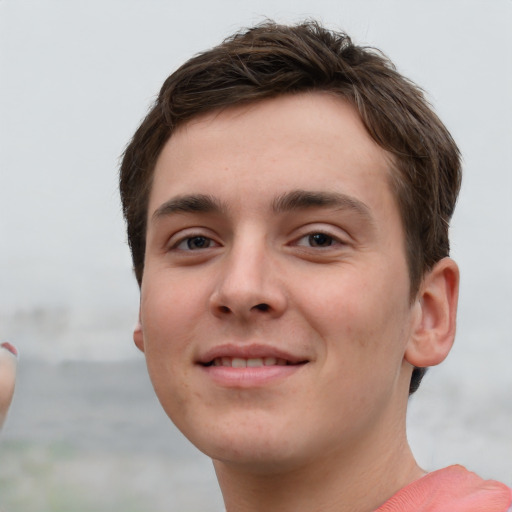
{"x": 320, "y": 240}
{"x": 198, "y": 242}
{"x": 195, "y": 243}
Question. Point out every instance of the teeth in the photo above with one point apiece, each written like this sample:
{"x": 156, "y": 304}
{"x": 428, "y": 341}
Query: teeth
{"x": 253, "y": 362}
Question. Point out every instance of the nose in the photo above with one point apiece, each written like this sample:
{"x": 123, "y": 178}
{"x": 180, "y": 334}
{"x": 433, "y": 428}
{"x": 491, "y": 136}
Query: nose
{"x": 249, "y": 285}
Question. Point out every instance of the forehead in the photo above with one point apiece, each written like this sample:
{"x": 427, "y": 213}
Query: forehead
{"x": 310, "y": 141}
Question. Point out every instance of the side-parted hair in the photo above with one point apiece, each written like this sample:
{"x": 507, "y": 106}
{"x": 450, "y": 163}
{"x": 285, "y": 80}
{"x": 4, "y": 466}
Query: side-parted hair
{"x": 270, "y": 60}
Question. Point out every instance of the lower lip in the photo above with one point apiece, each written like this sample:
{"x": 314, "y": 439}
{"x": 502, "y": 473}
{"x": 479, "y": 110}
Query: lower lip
{"x": 250, "y": 377}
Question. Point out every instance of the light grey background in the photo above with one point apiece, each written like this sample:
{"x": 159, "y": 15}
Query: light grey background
{"x": 77, "y": 77}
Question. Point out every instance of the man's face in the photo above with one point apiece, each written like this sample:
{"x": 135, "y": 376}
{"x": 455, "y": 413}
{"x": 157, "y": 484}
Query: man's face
{"x": 275, "y": 303}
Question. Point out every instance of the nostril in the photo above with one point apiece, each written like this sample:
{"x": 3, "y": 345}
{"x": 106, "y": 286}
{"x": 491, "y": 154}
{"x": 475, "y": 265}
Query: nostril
{"x": 224, "y": 309}
{"x": 262, "y": 307}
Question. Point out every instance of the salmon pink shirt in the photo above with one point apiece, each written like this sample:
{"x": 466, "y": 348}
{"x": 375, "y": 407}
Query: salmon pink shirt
{"x": 452, "y": 489}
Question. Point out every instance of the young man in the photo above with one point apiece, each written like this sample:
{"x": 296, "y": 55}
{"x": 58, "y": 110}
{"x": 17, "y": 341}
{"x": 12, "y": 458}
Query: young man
{"x": 288, "y": 200}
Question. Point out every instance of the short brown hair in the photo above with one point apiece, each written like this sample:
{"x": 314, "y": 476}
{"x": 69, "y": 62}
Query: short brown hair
{"x": 271, "y": 60}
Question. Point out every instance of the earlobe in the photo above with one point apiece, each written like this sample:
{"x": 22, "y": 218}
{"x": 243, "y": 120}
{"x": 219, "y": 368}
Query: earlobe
{"x": 434, "y": 324}
{"x": 138, "y": 335}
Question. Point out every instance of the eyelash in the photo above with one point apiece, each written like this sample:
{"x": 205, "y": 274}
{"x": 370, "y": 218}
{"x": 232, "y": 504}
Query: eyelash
{"x": 184, "y": 244}
{"x": 188, "y": 239}
{"x": 333, "y": 240}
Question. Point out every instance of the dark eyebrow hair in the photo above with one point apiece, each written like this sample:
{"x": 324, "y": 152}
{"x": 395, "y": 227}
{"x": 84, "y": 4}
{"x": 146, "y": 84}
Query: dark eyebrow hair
{"x": 293, "y": 200}
{"x": 193, "y": 203}
{"x": 304, "y": 199}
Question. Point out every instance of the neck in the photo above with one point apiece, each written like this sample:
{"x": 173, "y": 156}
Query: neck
{"x": 315, "y": 487}
{"x": 357, "y": 479}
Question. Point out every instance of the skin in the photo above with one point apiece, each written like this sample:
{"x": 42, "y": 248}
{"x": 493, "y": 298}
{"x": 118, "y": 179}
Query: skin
{"x": 299, "y": 253}
{"x": 8, "y": 363}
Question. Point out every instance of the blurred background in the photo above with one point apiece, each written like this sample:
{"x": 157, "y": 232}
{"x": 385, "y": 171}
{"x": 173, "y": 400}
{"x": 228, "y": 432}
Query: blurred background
{"x": 85, "y": 431}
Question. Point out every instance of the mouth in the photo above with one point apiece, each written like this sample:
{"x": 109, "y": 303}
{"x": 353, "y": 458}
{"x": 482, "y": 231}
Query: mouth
{"x": 239, "y": 356}
{"x": 251, "y": 362}
{"x": 239, "y": 367}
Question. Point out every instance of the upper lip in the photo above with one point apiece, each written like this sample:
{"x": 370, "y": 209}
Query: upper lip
{"x": 249, "y": 352}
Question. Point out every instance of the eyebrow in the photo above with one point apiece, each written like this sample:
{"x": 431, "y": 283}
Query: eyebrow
{"x": 290, "y": 201}
{"x": 193, "y": 203}
{"x": 304, "y": 199}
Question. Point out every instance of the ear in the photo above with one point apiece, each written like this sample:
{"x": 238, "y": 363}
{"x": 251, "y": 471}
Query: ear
{"x": 436, "y": 307}
{"x": 138, "y": 335}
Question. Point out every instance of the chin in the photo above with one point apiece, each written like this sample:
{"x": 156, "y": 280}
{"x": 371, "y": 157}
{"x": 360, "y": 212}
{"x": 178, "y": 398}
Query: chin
{"x": 257, "y": 458}
{"x": 246, "y": 441}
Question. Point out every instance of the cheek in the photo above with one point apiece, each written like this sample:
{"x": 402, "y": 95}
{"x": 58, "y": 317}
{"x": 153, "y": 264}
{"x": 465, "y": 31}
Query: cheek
{"x": 361, "y": 312}
{"x": 170, "y": 309}
{"x": 169, "y": 317}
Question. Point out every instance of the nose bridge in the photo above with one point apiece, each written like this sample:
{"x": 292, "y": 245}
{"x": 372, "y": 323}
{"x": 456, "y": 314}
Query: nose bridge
{"x": 247, "y": 281}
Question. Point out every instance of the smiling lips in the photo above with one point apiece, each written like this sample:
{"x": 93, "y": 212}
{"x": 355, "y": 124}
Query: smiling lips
{"x": 253, "y": 362}
{"x": 249, "y": 366}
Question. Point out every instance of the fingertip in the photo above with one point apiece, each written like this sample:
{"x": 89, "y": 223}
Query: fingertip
{"x": 10, "y": 348}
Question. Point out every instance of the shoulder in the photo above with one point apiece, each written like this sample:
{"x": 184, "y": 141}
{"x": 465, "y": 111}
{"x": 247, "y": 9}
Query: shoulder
{"x": 453, "y": 488}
